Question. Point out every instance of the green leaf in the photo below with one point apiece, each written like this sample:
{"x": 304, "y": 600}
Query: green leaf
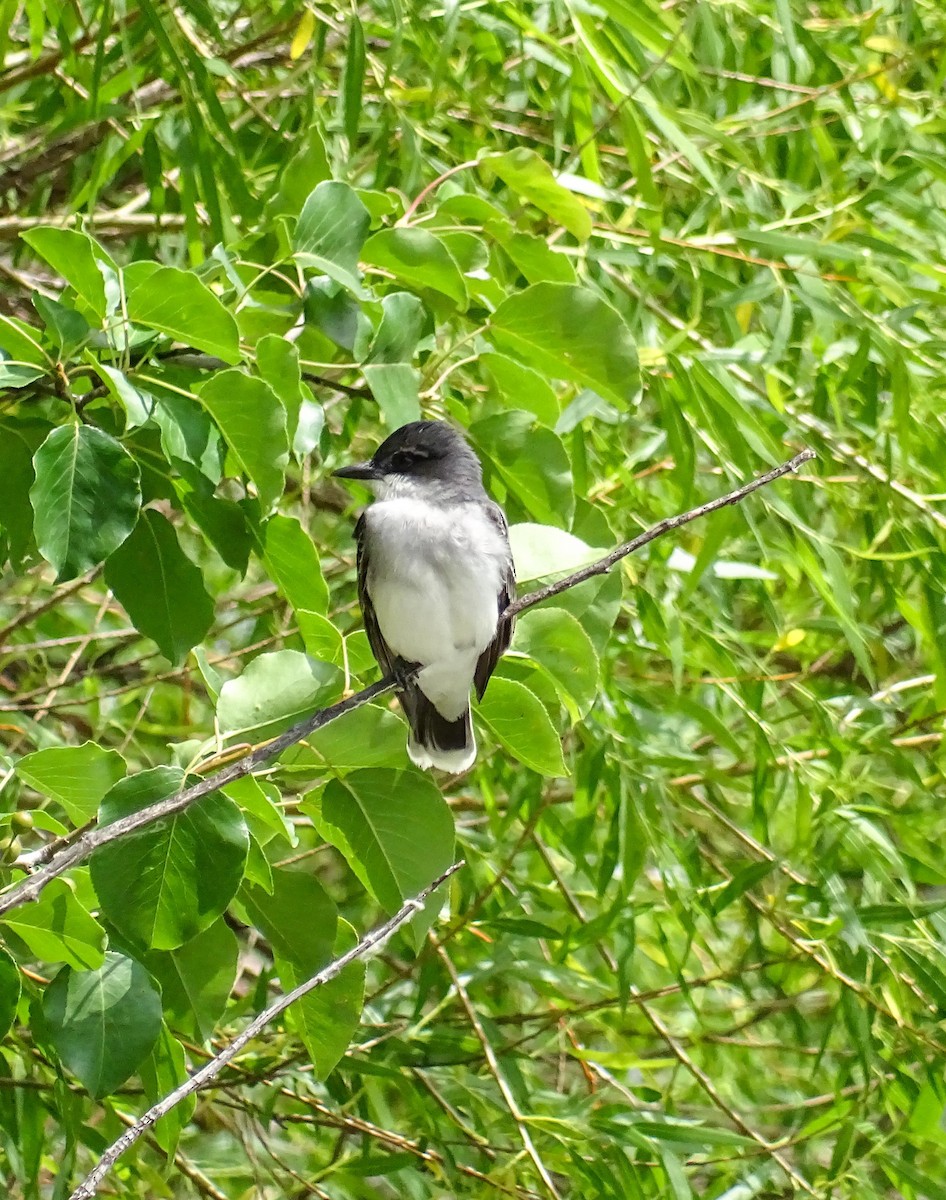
{"x": 519, "y": 722}
{"x": 299, "y": 919}
{"x": 307, "y": 167}
{"x": 418, "y": 258}
{"x": 520, "y": 387}
{"x": 160, "y": 588}
{"x": 330, "y": 233}
{"x": 396, "y": 388}
{"x": 175, "y": 876}
{"x": 556, "y": 641}
{"x": 19, "y": 441}
{"x": 536, "y": 259}
{"x": 569, "y": 332}
{"x": 85, "y": 498}
{"x": 103, "y": 1023}
{"x": 252, "y": 419}
{"x": 393, "y": 827}
{"x": 530, "y": 177}
{"x": 161, "y": 1072}
{"x": 57, "y": 928}
{"x": 292, "y": 563}
{"x": 10, "y": 987}
{"x": 370, "y": 736}
{"x": 138, "y": 405}
{"x": 177, "y": 303}
{"x": 196, "y": 980}
{"x": 78, "y": 777}
{"x": 532, "y": 463}
{"x": 542, "y": 550}
{"x": 278, "y": 363}
{"x": 76, "y": 257}
{"x": 352, "y": 83}
{"x": 328, "y": 1016}
{"x": 275, "y": 691}
{"x": 393, "y": 382}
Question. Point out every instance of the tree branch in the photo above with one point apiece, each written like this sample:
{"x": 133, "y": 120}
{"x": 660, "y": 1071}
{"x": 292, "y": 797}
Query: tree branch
{"x": 59, "y": 856}
{"x": 370, "y": 943}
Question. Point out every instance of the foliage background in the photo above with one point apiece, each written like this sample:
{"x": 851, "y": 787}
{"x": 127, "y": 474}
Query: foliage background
{"x": 706, "y": 958}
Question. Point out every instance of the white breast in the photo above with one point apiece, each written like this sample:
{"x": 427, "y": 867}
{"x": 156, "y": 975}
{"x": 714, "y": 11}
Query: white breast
{"x": 434, "y": 576}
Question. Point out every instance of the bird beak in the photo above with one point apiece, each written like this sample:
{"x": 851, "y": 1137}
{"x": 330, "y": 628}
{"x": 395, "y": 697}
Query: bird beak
{"x": 365, "y": 470}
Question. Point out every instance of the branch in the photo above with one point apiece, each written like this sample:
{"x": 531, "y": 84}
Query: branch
{"x": 59, "y": 856}
{"x": 603, "y": 565}
{"x": 370, "y": 943}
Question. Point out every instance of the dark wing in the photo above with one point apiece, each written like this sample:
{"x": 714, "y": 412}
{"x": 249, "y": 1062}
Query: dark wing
{"x": 387, "y": 659}
{"x": 507, "y": 593}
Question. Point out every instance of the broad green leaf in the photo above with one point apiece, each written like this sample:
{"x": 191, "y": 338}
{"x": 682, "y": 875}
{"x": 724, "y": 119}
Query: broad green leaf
{"x": 530, "y": 177}
{"x": 138, "y": 405}
{"x": 10, "y": 987}
{"x": 370, "y": 736}
{"x": 160, "y": 588}
{"x": 292, "y": 562}
{"x": 542, "y": 550}
{"x": 417, "y": 258}
{"x": 299, "y": 919}
{"x": 321, "y": 636}
{"x": 86, "y": 497}
{"x": 521, "y": 725}
{"x": 77, "y": 777}
{"x": 531, "y": 462}
{"x": 103, "y": 1023}
{"x": 393, "y": 381}
{"x": 22, "y": 357}
{"x": 176, "y": 875}
{"x": 177, "y": 303}
{"x": 58, "y": 928}
{"x": 259, "y": 801}
{"x": 278, "y": 363}
{"x": 275, "y": 691}
{"x": 330, "y": 233}
{"x": 189, "y": 438}
{"x": 307, "y": 167}
{"x": 520, "y": 387}
{"x": 393, "y": 827}
{"x": 396, "y": 388}
{"x": 537, "y": 261}
{"x": 556, "y": 641}
{"x": 66, "y": 327}
{"x": 252, "y": 419}
{"x": 76, "y": 257}
{"x": 196, "y": 980}
{"x": 223, "y": 522}
{"x": 569, "y": 332}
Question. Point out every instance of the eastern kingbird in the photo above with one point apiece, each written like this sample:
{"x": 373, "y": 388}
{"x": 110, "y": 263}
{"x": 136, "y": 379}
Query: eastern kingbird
{"x": 435, "y": 573}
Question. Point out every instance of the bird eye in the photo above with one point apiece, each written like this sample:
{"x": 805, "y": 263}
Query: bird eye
{"x": 401, "y": 460}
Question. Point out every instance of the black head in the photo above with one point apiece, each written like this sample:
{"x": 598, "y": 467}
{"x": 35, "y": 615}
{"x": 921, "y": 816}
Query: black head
{"x": 422, "y": 450}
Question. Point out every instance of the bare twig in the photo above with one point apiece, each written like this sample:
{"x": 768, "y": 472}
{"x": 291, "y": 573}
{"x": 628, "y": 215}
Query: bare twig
{"x": 369, "y": 944}
{"x": 57, "y": 857}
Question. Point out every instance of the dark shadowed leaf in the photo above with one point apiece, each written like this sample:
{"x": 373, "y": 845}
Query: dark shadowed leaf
{"x": 104, "y": 1022}
{"x": 86, "y": 497}
{"x": 160, "y": 588}
{"x": 175, "y": 876}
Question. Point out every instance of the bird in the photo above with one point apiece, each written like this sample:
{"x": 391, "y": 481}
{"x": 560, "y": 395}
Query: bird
{"x": 435, "y": 575}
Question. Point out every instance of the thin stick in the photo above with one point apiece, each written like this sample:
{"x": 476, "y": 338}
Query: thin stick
{"x": 369, "y": 944}
{"x": 59, "y": 856}
{"x": 603, "y": 565}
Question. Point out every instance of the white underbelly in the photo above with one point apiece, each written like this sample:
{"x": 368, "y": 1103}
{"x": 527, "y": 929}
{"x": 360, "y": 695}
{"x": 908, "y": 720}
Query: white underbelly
{"x": 434, "y": 578}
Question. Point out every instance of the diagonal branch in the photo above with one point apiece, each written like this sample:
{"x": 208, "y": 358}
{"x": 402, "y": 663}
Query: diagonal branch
{"x": 57, "y": 857}
{"x": 369, "y": 944}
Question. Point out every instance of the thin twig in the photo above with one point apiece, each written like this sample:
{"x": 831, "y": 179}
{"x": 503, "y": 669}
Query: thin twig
{"x": 57, "y": 857}
{"x": 370, "y": 943}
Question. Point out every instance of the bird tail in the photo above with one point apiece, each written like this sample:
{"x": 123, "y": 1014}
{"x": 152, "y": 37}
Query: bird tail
{"x": 434, "y": 741}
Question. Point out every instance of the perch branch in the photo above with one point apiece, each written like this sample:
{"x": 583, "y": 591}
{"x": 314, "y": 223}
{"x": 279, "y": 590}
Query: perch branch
{"x": 369, "y": 944}
{"x": 57, "y": 857}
